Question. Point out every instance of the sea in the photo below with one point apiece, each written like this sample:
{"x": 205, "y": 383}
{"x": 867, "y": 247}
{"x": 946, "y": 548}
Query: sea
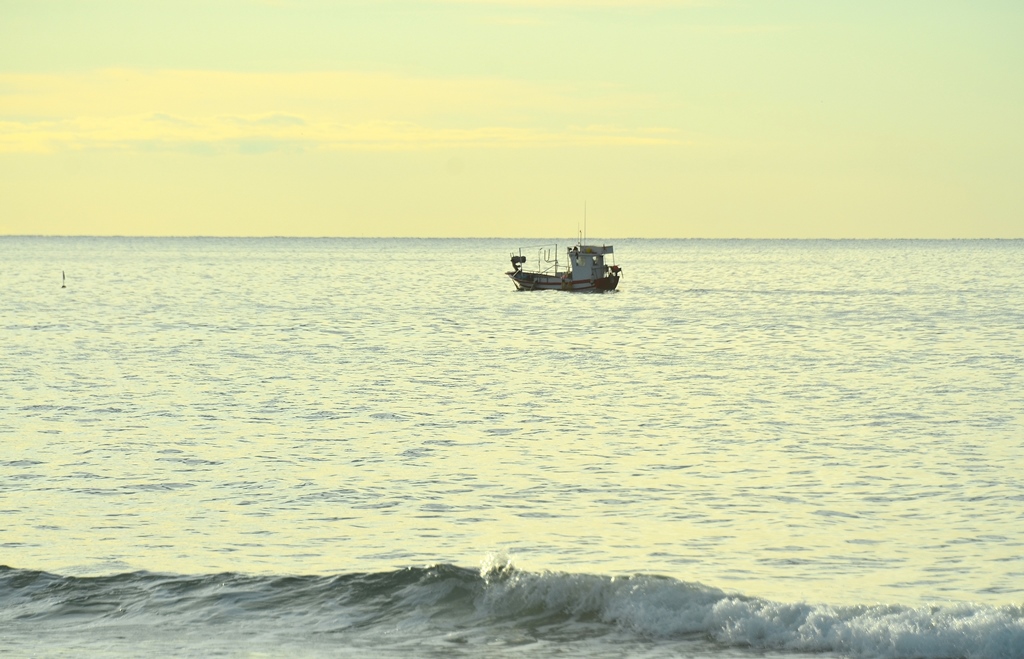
{"x": 276, "y": 447}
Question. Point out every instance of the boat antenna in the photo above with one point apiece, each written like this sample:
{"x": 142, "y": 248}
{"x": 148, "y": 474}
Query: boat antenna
{"x": 584, "y": 221}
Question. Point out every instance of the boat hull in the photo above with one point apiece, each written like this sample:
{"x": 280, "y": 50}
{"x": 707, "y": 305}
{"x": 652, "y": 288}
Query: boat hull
{"x": 531, "y": 281}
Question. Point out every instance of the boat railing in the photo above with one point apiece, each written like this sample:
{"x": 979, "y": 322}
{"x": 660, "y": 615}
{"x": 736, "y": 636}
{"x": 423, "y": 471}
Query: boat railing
{"x": 547, "y": 259}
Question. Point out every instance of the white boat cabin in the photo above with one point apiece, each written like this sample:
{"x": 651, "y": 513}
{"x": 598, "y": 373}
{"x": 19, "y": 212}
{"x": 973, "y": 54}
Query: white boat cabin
{"x": 587, "y": 261}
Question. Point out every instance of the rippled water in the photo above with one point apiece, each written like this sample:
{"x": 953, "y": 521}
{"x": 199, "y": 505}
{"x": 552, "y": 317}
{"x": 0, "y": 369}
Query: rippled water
{"x": 839, "y": 423}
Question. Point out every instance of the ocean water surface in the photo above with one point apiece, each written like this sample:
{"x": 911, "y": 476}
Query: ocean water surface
{"x": 335, "y": 447}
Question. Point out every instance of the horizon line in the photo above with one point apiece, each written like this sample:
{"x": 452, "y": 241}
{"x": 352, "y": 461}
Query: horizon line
{"x": 325, "y": 237}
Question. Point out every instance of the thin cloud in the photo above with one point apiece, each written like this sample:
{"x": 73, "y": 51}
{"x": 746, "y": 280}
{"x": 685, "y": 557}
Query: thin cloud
{"x": 225, "y": 134}
{"x": 552, "y": 4}
{"x": 127, "y": 109}
{"x": 585, "y": 4}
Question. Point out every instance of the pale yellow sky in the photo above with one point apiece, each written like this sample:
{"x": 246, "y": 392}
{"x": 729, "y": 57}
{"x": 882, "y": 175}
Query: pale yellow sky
{"x": 501, "y": 118}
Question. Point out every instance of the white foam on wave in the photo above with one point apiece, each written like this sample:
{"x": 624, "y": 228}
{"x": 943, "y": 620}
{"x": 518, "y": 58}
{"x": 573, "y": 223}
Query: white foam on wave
{"x": 496, "y": 563}
{"x": 664, "y": 608}
{"x": 938, "y": 632}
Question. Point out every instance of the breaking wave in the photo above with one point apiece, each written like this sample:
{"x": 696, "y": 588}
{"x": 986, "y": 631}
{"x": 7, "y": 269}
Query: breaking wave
{"x": 444, "y": 609}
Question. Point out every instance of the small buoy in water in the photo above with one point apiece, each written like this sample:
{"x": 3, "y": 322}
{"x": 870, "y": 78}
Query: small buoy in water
{"x": 63, "y": 280}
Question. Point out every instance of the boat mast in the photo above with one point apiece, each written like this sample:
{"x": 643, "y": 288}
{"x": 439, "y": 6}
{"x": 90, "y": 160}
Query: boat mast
{"x": 584, "y": 222}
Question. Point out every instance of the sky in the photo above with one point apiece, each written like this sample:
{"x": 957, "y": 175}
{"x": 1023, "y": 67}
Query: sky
{"x": 513, "y": 118}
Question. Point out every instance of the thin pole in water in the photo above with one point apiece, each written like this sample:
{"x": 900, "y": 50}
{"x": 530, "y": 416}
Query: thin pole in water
{"x": 63, "y": 280}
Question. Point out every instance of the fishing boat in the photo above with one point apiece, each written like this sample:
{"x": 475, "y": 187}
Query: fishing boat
{"x": 585, "y": 269}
